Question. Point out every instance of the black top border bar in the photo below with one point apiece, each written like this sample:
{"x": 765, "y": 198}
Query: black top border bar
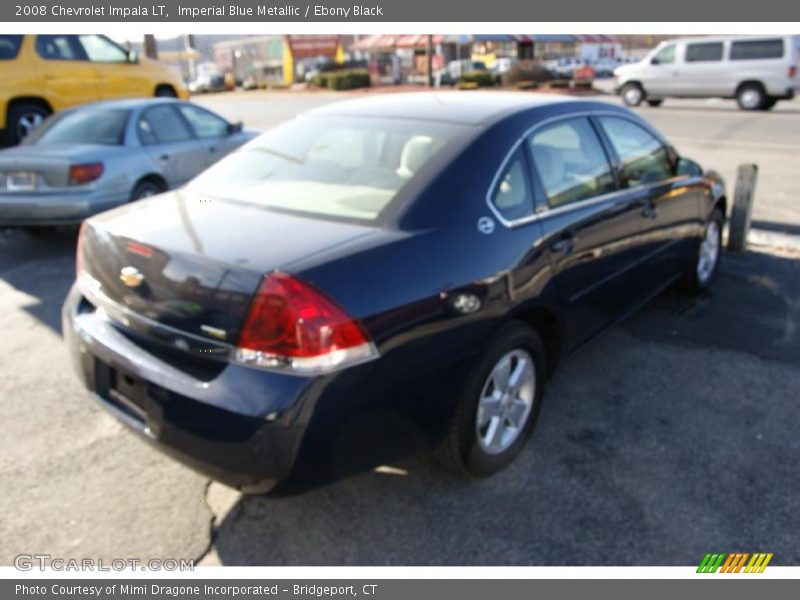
{"x": 411, "y": 11}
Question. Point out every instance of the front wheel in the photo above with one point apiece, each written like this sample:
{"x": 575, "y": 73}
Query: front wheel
{"x": 23, "y": 119}
{"x": 498, "y": 406}
{"x": 632, "y": 94}
{"x": 706, "y": 262}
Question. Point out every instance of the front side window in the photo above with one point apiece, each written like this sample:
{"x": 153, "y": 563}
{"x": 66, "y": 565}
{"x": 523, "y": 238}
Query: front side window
{"x": 644, "y": 159}
{"x": 704, "y": 52}
{"x": 570, "y": 162}
{"x": 59, "y": 47}
{"x": 338, "y": 167}
{"x": 100, "y": 49}
{"x": 512, "y": 194}
{"x": 162, "y": 124}
{"x": 204, "y": 123}
{"x": 757, "y": 49}
{"x": 664, "y": 56}
{"x": 9, "y": 46}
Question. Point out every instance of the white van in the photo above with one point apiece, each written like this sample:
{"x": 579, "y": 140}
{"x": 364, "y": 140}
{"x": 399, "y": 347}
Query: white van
{"x": 756, "y": 70}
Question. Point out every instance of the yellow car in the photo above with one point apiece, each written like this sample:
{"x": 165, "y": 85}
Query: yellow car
{"x": 42, "y": 74}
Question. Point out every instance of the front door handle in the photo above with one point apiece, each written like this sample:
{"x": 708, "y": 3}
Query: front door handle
{"x": 164, "y": 157}
{"x": 564, "y": 244}
{"x": 649, "y": 211}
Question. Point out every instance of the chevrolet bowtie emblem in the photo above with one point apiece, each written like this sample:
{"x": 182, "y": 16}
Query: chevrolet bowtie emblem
{"x": 131, "y": 276}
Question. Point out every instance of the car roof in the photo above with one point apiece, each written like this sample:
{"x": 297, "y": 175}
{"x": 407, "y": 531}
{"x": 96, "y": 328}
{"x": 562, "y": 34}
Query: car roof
{"x": 469, "y": 108}
{"x": 124, "y": 103}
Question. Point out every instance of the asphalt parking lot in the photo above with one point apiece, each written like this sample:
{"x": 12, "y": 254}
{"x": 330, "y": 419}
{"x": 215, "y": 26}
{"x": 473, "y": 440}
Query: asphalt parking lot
{"x": 673, "y": 436}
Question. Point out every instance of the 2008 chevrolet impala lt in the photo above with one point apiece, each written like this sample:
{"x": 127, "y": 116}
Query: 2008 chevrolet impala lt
{"x": 381, "y": 275}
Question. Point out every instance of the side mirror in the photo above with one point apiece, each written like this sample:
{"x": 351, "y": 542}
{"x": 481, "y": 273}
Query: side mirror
{"x": 689, "y": 168}
{"x": 133, "y": 58}
{"x": 235, "y": 127}
{"x": 654, "y": 60}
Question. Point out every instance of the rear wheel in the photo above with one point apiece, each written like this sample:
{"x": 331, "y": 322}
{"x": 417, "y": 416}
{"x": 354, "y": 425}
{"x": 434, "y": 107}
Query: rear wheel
{"x": 23, "y": 119}
{"x": 751, "y": 96}
{"x": 145, "y": 189}
{"x": 498, "y": 406}
{"x": 632, "y": 94}
{"x": 654, "y": 103}
{"x": 704, "y": 268}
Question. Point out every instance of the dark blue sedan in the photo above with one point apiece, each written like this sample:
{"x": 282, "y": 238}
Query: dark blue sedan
{"x": 382, "y": 275}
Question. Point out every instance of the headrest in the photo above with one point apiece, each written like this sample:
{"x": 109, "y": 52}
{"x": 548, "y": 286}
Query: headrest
{"x": 415, "y": 152}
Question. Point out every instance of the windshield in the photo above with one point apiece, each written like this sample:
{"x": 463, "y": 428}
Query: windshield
{"x": 83, "y": 127}
{"x": 349, "y": 168}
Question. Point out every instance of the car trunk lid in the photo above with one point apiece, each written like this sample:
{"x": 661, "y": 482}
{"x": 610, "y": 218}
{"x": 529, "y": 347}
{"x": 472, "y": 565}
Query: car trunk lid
{"x": 193, "y": 263}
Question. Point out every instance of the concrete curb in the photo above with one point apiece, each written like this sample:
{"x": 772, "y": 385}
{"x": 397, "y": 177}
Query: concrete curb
{"x": 774, "y": 239}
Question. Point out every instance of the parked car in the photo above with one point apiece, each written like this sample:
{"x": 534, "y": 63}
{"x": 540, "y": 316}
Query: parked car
{"x": 757, "y": 71}
{"x": 88, "y": 159}
{"x": 456, "y": 69}
{"x": 47, "y": 73}
{"x": 382, "y": 274}
{"x": 205, "y": 84}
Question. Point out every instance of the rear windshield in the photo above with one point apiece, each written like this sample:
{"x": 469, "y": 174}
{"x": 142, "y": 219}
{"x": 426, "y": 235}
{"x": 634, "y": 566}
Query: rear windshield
{"x": 9, "y": 46}
{"x": 105, "y": 127}
{"x": 342, "y": 167}
{"x": 757, "y": 49}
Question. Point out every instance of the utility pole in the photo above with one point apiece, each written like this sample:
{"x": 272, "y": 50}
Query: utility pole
{"x": 430, "y": 60}
{"x": 150, "y": 46}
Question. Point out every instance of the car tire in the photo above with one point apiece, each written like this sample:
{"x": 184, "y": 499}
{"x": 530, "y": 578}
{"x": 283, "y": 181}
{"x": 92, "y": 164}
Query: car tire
{"x": 483, "y": 435}
{"x": 751, "y": 96}
{"x": 632, "y": 94}
{"x": 165, "y": 91}
{"x": 769, "y": 104}
{"x": 705, "y": 264}
{"x": 23, "y": 118}
{"x": 145, "y": 189}
{"x": 655, "y": 103}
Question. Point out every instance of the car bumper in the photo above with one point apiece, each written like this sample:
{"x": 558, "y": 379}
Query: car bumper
{"x": 238, "y": 425}
{"x": 56, "y": 209}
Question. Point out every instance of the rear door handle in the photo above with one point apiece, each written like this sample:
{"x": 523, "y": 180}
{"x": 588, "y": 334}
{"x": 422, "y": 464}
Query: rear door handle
{"x": 564, "y": 244}
{"x": 164, "y": 157}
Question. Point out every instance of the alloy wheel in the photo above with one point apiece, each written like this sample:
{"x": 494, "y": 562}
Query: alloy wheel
{"x": 506, "y": 400}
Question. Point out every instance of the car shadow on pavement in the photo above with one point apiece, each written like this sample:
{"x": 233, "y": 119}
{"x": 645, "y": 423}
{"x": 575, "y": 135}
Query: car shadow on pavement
{"x": 670, "y": 437}
{"x": 42, "y": 267}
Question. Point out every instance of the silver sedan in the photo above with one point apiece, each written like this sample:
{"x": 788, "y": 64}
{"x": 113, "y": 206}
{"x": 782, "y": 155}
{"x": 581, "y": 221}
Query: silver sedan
{"x": 89, "y": 159}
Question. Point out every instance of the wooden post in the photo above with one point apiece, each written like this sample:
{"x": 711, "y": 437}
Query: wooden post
{"x": 743, "y": 197}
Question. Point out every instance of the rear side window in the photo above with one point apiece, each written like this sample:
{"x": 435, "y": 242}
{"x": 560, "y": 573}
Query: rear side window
{"x": 757, "y": 49}
{"x": 105, "y": 127}
{"x": 9, "y": 46}
{"x": 512, "y": 194}
{"x": 162, "y": 124}
{"x": 59, "y": 47}
{"x": 571, "y": 162}
{"x": 704, "y": 52}
{"x": 644, "y": 159}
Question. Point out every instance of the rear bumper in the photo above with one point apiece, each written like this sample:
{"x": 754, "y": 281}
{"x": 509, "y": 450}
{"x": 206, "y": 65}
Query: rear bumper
{"x": 58, "y": 209}
{"x": 241, "y": 426}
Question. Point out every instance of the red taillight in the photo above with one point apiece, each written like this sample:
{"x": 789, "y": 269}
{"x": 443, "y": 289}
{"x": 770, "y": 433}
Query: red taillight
{"x": 291, "y": 326}
{"x": 792, "y": 71}
{"x": 80, "y": 174}
{"x": 79, "y": 249}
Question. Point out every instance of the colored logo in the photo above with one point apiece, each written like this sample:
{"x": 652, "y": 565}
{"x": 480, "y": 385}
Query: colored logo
{"x": 736, "y": 562}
